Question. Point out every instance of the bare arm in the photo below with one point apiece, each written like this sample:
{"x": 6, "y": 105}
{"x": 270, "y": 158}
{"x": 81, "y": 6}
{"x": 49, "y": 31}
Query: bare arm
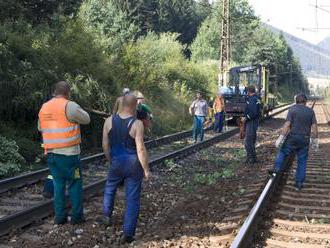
{"x": 105, "y": 138}
{"x": 140, "y": 147}
{"x": 191, "y": 108}
{"x": 286, "y": 128}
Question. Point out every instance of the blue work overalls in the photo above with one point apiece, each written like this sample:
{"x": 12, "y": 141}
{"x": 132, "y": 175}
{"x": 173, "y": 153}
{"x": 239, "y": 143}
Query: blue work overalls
{"x": 126, "y": 167}
{"x": 252, "y": 115}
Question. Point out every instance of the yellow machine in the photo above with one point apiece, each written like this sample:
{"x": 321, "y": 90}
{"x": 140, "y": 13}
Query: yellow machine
{"x": 235, "y": 93}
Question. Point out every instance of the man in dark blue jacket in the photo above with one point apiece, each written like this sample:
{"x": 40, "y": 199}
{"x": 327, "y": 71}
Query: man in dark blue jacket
{"x": 251, "y": 118}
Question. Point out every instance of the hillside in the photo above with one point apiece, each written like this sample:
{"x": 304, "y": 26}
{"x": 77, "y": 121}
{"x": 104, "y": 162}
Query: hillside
{"x": 315, "y": 60}
{"x": 325, "y": 44}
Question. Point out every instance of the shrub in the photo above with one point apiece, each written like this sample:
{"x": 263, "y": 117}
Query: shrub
{"x": 28, "y": 149}
{"x": 10, "y": 159}
{"x": 9, "y": 169}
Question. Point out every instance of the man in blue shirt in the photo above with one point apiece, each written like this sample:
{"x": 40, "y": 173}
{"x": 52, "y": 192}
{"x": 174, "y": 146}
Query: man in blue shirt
{"x": 251, "y": 119}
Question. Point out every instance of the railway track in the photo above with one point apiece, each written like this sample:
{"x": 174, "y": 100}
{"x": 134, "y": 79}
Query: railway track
{"x": 283, "y": 217}
{"x": 21, "y": 208}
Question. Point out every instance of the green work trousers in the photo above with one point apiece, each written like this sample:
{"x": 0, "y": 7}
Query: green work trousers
{"x": 66, "y": 170}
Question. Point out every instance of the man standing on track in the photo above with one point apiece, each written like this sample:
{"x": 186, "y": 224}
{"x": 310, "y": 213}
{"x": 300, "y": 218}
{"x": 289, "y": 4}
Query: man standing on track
{"x": 218, "y": 107}
{"x": 297, "y": 129}
{"x": 251, "y": 119}
{"x": 199, "y": 109}
{"x": 59, "y": 121}
{"x": 123, "y": 145}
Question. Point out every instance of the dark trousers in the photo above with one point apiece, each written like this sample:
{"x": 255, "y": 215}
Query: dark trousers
{"x": 297, "y": 144}
{"x": 251, "y": 128}
{"x": 127, "y": 169}
{"x": 66, "y": 170}
{"x": 219, "y": 118}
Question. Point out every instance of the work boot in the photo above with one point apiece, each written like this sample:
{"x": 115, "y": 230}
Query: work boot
{"x": 61, "y": 221}
{"x": 254, "y": 161}
{"x": 78, "y": 222}
{"x": 126, "y": 239}
{"x": 104, "y": 220}
{"x": 298, "y": 186}
{"x": 247, "y": 161}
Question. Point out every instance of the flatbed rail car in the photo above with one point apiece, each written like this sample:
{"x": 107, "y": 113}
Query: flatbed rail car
{"x": 235, "y": 93}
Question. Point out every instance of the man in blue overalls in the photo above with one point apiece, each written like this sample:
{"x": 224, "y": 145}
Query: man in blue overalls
{"x": 251, "y": 118}
{"x": 123, "y": 146}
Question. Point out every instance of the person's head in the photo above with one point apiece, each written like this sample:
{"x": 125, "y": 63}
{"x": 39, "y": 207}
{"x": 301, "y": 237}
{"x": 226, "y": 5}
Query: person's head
{"x": 251, "y": 90}
{"x": 198, "y": 95}
{"x": 125, "y": 91}
{"x": 300, "y": 99}
{"x": 129, "y": 103}
{"x": 139, "y": 96}
{"x": 62, "y": 88}
{"x": 220, "y": 95}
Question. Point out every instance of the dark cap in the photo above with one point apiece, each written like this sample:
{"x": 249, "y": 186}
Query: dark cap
{"x": 251, "y": 89}
{"x": 300, "y": 98}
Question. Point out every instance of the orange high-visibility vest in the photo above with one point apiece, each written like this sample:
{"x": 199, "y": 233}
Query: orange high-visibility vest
{"x": 57, "y": 130}
{"x": 218, "y": 104}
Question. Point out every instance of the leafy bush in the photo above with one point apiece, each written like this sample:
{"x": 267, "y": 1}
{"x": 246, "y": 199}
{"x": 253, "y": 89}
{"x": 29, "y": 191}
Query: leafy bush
{"x": 28, "y": 149}
{"x": 9, "y": 169}
{"x": 10, "y": 159}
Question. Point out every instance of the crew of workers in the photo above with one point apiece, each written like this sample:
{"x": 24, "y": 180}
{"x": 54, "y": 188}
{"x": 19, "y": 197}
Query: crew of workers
{"x": 123, "y": 146}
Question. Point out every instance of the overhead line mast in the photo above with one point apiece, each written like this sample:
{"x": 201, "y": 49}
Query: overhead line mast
{"x": 224, "y": 43}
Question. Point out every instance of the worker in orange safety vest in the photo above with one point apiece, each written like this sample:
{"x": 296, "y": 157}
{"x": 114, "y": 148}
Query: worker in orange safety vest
{"x": 59, "y": 123}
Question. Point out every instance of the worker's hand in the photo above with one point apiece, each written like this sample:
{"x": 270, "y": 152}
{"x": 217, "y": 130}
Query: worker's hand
{"x": 147, "y": 175}
{"x": 314, "y": 144}
{"x": 279, "y": 142}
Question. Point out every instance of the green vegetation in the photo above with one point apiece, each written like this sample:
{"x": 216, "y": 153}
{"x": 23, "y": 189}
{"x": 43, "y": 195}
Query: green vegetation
{"x": 165, "y": 48}
{"x": 10, "y": 160}
{"x": 252, "y": 43}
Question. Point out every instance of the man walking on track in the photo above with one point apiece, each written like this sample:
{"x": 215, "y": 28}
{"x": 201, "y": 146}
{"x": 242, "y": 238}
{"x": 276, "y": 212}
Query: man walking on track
{"x": 218, "y": 107}
{"x": 297, "y": 129}
{"x": 251, "y": 119}
{"x": 123, "y": 145}
{"x": 59, "y": 121}
{"x": 199, "y": 109}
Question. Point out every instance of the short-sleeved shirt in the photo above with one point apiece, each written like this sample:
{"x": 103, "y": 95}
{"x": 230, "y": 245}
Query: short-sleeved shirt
{"x": 301, "y": 118}
{"x": 199, "y": 107}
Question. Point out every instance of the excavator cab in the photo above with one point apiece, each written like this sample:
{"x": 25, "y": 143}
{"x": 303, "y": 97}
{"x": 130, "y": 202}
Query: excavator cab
{"x": 235, "y": 94}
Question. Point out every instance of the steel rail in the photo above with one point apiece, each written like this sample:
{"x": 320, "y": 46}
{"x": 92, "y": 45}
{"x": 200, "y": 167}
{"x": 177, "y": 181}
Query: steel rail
{"x": 245, "y": 233}
{"x": 43, "y": 210}
{"x": 35, "y": 176}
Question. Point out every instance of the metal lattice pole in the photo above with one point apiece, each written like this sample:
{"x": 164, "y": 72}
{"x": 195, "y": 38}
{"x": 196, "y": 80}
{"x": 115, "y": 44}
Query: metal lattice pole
{"x": 224, "y": 43}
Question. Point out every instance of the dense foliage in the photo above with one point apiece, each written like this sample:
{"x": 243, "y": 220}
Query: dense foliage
{"x": 164, "y": 48}
{"x": 10, "y": 159}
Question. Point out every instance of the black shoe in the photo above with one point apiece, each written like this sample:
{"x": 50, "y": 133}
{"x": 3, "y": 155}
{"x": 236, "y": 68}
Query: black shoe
{"x": 47, "y": 195}
{"x": 254, "y": 161}
{"x": 247, "y": 161}
{"x": 126, "y": 239}
{"x": 104, "y": 220}
{"x": 61, "y": 222}
{"x": 299, "y": 186}
{"x": 78, "y": 222}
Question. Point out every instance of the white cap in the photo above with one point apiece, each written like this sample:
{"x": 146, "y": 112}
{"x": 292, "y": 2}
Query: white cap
{"x": 126, "y": 91}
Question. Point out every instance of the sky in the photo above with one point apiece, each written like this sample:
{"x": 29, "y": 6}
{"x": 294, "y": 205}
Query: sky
{"x": 293, "y": 15}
